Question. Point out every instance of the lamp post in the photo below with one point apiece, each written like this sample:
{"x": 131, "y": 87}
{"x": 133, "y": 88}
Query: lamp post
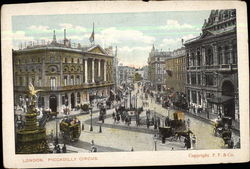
{"x": 130, "y": 104}
{"x": 91, "y": 126}
{"x": 56, "y": 140}
{"x": 155, "y": 142}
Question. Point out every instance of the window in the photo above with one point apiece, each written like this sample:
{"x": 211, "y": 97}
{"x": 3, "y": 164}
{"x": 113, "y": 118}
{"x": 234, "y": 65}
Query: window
{"x": 72, "y": 80}
{"x": 78, "y": 98}
{"x": 72, "y": 60}
{"x": 219, "y": 55}
{"x": 77, "y": 80}
{"x": 193, "y": 79}
{"x": 53, "y": 83}
{"x": 194, "y": 96}
{"x": 65, "y": 80}
{"x": 198, "y": 58}
{"x": 209, "y": 58}
{"x": 78, "y": 60}
{"x": 199, "y": 79}
{"x": 65, "y": 60}
{"x": 226, "y": 55}
{"x": 209, "y": 79}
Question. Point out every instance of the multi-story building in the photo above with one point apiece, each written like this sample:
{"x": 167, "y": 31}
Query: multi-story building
{"x": 126, "y": 74}
{"x": 176, "y": 71}
{"x": 67, "y": 76}
{"x": 212, "y": 73}
{"x": 156, "y": 66}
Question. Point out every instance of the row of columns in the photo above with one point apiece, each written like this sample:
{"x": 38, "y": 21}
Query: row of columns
{"x": 93, "y": 70}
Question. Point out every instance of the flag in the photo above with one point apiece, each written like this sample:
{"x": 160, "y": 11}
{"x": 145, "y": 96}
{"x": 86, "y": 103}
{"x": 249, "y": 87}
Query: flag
{"x": 92, "y": 37}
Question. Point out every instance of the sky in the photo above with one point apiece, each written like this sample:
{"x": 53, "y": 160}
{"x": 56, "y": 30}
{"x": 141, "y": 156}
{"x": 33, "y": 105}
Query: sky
{"x": 133, "y": 33}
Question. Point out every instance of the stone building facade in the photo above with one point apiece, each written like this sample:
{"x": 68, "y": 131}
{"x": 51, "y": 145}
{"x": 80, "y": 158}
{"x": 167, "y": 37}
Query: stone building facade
{"x": 176, "y": 71}
{"x": 212, "y": 72}
{"x": 125, "y": 74}
{"x": 156, "y": 68}
{"x": 67, "y": 76}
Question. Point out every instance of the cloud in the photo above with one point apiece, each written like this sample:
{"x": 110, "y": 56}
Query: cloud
{"x": 39, "y": 28}
{"x": 174, "y": 43}
{"x": 16, "y": 37}
{"x": 132, "y": 56}
{"x": 114, "y": 36}
{"x": 72, "y": 28}
{"x": 175, "y": 25}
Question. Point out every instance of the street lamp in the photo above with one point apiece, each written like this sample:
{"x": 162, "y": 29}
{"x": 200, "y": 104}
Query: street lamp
{"x": 90, "y": 108}
{"x": 56, "y": 140}
{"x": 155, "y": 141}
{"x": 130, "y": 104}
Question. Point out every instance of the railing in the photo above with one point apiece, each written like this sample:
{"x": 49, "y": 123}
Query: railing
{"x": 63, "y": 88}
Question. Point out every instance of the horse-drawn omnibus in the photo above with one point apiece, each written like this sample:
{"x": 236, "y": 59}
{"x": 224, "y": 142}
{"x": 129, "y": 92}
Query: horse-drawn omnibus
{"x": 70, "y": 128}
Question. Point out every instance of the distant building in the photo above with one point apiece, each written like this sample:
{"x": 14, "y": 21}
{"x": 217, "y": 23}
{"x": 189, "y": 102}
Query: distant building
{"x": 212, "y": 71}
{"x": 156, "y": 68}
{"x": 66, "y": 75}
{"x": 176, "y": 71}
{"x": 139, "y": 71}
{"x": 126, "y": 74}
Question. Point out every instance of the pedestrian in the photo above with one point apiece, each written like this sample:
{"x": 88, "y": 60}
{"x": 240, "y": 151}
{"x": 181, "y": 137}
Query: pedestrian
{"x": 188, "y": 123}
{"x": 64, "y": 149}
{"x": 132, "y": 149}
{"x": 82, "y": 126}
{"x": 58, "y": 149}
{"x": 193, "y": 141}
{"x": 147, "y": 121}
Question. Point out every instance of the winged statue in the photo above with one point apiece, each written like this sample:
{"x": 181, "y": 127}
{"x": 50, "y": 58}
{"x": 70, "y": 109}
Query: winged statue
{"x": 32, "y": 90}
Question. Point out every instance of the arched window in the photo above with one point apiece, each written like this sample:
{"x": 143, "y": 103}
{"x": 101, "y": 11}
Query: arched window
{"x": 53, "y": 82}
{"x": 72, "y": 80}
{"x": 219, "y": 55}
{"x": 78, "y": 98}
{"x": 65, "y": 80}
{"x": 77, "y": 79}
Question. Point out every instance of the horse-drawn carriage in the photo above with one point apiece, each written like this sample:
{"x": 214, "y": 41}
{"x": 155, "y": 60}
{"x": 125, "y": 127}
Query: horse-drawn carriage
{"x": 174, "y": 128}
{"x": 70, "y": 129}
{"x": 223, "y": 128}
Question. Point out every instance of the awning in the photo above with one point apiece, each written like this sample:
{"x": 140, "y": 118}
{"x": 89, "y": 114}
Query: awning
{"x": 220, "y": 100}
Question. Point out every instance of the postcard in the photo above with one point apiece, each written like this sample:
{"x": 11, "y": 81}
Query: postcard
{"x": 88, "y": 84}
